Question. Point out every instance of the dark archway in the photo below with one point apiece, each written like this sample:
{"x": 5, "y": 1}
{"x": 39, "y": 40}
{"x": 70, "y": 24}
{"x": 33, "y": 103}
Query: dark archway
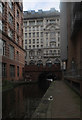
{"x": 44, "y": 79}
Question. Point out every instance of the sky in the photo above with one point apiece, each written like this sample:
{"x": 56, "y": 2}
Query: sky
{"x": 40, "y": 4}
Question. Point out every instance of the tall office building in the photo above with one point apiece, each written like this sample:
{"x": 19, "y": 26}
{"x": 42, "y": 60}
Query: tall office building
{"x": 11, "y": 40}
{"x": 42, "y": 36}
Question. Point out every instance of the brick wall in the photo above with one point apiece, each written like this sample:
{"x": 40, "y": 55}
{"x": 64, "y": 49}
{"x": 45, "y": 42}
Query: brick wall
{"x": 18, "y": 46}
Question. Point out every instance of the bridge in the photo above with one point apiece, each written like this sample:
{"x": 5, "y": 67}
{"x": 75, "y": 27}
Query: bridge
{"x": 40, "y": 73}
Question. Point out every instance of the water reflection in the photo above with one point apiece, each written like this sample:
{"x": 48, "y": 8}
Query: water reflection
{"x": 21, "y": 101}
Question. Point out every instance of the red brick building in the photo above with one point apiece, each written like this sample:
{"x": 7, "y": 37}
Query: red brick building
{"x": 11, "y": 40}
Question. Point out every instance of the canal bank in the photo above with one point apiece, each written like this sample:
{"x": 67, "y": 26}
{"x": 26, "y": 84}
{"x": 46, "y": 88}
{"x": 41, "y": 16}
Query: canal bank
{"x": 59, "y": 101}
{"x": 8, "y": 85}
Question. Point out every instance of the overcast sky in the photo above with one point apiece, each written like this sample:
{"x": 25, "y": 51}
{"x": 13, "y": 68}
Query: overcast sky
{"x": 40, "y": 4}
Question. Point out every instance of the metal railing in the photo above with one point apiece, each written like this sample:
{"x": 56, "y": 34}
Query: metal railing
{"x": 74, "y": 73}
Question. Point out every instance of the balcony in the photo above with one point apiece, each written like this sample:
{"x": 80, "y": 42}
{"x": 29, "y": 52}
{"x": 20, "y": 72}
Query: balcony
{"x": 51, "y": 55}
{"x": 52, "y": 40}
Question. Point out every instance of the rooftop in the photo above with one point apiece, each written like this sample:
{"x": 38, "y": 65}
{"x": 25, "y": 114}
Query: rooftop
{"x": 32, "y": 14}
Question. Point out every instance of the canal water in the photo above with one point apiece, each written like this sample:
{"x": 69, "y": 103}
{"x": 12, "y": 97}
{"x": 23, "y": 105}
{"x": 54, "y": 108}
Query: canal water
{"x": 21, "y": 101}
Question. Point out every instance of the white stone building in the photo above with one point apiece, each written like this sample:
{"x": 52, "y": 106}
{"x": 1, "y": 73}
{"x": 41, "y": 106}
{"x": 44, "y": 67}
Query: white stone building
{"x": 42, "y": 36}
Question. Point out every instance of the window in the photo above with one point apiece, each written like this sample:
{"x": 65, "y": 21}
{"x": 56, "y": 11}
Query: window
{"x": 37, "y": 28}
{"x": 53, "y": 45}
{"x": 17, "y": 27}
{"x": 39, "y": 22}
{"x": 10, "y": 18}
{"x": 38, "y": 52}
{"x": 17, "y": 39}
{"x": 33, "y": 40}
{"x": 58, "y": 44}
{"x": 23, "y": 72}
{"x": 0, "y": 24}
{"x": 46, "y": 44}
{"x": 33, "y": 46}
{"x": 41, "y": 34}
{"x": 11, "y": 52}
{"x": 17, "y": 70}
{"x": 25, "y": 23}
{"x": 3, "y": 9}
{"x": 26, "y": 41}
{"x": 4, "y": 69}
{"x": 41, "y": 46}
{"x": 29, "y": 34}
{"x": 29, "y": 46}
{"x": 29, "y": 41}
{"x": 50, "y": 51}
{"x": 31, "y": 22}
{"x": 2, "y": 47}
{"x": 37, "y": 34}
{"x": 52, "y": 35}
{"x": 55, "y": 53}
{"x": 57, "y": 19}
{"x": 58, "y": 33}
{"x": 25, "y": 35}
{"x": 25, "y": 29}
{"x": 12, "y": 71}
{"x": 25, "y": 47}
{"x": 10, "y": 4}
{"x": 41, "y": 28}
{"x": 37, "y": 46}
{"x": 37, "y": 40}
{"x": 17, "y": 55}
{"x": 10, "y": 33}
{"x": 46, "y": 52}
{"x": 52, "y": 21}
{"x": 46, "y": 35}
{"x": 29, "y": 28}
{"x": 0, "y": 7}
{"x": 33, "y": 34}
{"x": 41, "y": 40}
{"x": 17, "y": 13}
{"x": 58, "y": 52}
{"x": 3, "y": 26}
{"x": 33, "y": 28}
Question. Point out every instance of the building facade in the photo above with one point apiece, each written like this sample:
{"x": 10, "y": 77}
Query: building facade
{"x": 11, "y": 40}
{"x": 73, "y": 28}
{"x": 42, "y": 36}
{"x": 72, "y": 37}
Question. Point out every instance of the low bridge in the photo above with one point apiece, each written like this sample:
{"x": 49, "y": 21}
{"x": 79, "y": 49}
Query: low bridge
{"x": 40, "y": 73}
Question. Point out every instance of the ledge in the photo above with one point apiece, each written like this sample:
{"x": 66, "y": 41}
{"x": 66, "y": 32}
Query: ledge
{"x": 44, "y": 109}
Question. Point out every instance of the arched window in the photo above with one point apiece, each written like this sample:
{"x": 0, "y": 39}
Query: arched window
{"x": 39, "y": 62}
{"x": 49, "y": 63}
{"x": 57, "y": 61}
{"x": 32, "y": 62}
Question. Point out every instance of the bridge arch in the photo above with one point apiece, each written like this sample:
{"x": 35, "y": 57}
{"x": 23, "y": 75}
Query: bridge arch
{"x": 43, "y": 76}
{"x": 44, "y": 79}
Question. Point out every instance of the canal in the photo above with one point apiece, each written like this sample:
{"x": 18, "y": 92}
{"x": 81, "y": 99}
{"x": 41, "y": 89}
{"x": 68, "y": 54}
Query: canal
{"x": 22, "y": 101}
